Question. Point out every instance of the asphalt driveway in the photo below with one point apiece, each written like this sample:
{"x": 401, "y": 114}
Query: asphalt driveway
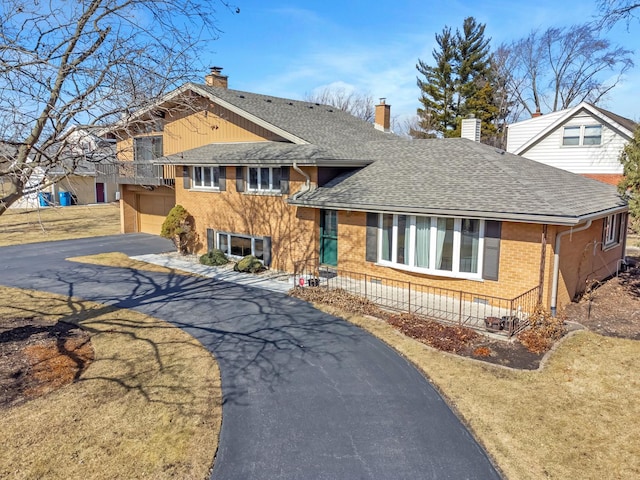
{"x": 306, "y": 395}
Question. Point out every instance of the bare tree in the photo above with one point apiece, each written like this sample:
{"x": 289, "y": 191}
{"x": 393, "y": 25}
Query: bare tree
{"x": 88, "y": 62}
{"x": 613, "y": 11}
{"x": 358, "y": 104}
{"x": 560, "y": 67}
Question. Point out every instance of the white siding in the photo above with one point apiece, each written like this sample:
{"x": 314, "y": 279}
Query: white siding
{"x": 521, "y": 132}
{"x": 594, "y": 159}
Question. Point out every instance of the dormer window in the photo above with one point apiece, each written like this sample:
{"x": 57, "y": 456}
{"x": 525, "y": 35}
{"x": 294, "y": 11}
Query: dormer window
{"x": 582, "y": 135}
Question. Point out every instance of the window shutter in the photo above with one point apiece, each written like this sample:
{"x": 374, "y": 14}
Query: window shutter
{"x": 185, "y": 178}
{"x": 284, "y": 180}
{"x": 240, "y": 179}
{"x": 371, "y": 249}
{"x": 491, "y": 263}
{"x": 210, "y": 236}
{"x": 266, "y": 251}
{"x": 222, "y": 179}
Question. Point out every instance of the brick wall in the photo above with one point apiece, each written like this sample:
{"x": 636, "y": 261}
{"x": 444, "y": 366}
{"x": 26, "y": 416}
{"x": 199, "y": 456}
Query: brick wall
{"x": 520, "y": 260}
{"x": 582, "y": 259}
{"x": 294, "y": 231}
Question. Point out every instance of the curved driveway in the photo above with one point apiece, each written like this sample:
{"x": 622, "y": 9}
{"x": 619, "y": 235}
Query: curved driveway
{"x": 306, "y": 395}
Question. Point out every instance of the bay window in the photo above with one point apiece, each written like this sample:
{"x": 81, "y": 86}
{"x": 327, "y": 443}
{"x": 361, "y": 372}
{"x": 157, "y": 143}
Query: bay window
{"x": 438, "y": 245}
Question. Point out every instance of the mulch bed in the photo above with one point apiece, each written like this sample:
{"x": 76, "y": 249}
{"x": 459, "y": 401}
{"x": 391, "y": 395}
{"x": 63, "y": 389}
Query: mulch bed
{"x": 611, "y": 308}
{"x": 37, "y": 357}
{"x": 450, "y": 338}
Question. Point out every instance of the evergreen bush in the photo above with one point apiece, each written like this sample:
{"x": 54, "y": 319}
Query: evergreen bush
{"x": 178, "y": 226}
{"x": 249, "y": 264}
{"x": 214, "y": 258}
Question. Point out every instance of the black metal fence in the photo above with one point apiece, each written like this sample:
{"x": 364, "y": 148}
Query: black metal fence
{"x": 505, "y": 316}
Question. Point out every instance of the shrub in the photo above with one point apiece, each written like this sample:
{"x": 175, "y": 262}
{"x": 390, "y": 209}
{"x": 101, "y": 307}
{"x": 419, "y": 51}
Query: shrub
{"x": 544, "y": 330}
{"x": 178, "y": 226}
{"x": 249, "y": 264}
{"x": 214, "y": 258}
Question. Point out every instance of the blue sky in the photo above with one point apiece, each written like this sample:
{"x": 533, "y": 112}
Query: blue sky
{"x": 286, "y": 48}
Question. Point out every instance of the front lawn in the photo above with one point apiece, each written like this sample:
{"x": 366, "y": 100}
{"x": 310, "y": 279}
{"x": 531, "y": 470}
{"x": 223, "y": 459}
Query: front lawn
{"x": 148, "y": 405}
{"x": 20, "y": 226}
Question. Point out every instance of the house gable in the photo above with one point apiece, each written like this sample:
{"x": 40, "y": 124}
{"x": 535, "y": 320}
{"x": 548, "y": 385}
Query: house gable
{"x": 541, "y": 139}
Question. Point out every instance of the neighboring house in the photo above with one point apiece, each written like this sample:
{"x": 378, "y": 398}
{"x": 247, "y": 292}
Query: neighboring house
{"x": 295, "y": 183}
{"x": 584, "y": 139}
{"x": 86, "y": 170}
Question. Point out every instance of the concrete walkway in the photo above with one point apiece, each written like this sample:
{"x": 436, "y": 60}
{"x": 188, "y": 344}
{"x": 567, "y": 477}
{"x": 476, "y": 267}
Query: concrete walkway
{"x": 281, "y": 283}
{"x": 305, "y": 395}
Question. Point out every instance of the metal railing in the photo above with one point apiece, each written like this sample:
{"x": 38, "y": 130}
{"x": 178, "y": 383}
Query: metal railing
{"x": 505, "y": 316}
{"x": 137, "y": 173}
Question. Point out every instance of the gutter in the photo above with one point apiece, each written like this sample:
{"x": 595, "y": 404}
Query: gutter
{"x": 556, "y": 264}
{"x": 307, "y": 182}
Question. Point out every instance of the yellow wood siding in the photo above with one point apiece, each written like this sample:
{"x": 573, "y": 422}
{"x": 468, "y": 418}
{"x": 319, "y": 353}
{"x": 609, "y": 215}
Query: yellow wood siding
{"x": 199, "y": 124}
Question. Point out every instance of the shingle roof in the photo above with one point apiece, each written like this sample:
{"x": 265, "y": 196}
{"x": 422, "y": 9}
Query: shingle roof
{"x": 314, "y": 123}
{"x": 461, "y": 177}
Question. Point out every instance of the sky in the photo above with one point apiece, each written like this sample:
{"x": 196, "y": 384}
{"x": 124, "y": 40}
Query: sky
{"x": 293, "y": 48}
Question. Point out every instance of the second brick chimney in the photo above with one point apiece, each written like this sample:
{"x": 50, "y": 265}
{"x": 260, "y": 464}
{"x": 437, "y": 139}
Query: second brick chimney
{"x": 215, "y": 78}
{"x": 383, "y": 116}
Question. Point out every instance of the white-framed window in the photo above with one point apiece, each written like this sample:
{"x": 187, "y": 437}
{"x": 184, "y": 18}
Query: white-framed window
{"x": 432, "y": 245}
{"x": 238, "y": 245}
{"x": 206, "y": 177}
{"x": 612, "y": 228}
{"x": 582, "y": 135}
{"x": 263, "y": 179}
{"x": 147, "y": 148}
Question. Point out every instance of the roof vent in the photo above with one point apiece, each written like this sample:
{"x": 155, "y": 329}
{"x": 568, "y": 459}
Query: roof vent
{"x": 310, "y": 106}
{"x": 241, "y": 96}
{"x": 268, "y": 100}
{"x": 290, "y": 103}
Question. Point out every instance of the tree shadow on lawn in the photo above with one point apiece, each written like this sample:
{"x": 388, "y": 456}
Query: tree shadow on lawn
{"x": 257, "y": 336}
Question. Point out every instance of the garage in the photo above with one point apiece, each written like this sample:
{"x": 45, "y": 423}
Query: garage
{"x": 152, "y": 210}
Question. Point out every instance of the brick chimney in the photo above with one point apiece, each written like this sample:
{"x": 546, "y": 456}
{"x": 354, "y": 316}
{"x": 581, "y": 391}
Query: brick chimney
{"x": 471, "y": 128}
{"x": 215, "y": 78}
{"x": 383, "y": 116}
{"x": 536, "y": 113}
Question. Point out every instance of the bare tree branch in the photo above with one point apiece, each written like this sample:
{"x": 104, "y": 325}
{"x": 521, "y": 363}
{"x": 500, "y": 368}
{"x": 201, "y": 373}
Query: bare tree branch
{"x": 86, "y": 62}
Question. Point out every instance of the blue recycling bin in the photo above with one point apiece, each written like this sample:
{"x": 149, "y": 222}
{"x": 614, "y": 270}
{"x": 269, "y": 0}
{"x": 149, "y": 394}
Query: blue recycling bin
{"x": 45, "y": 199}
{"x": 65, "y": 199}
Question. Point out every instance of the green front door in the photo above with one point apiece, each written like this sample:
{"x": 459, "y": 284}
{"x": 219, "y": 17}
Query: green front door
{"x": 329, "y": 237}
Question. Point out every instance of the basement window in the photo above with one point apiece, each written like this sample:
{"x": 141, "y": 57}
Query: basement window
{"x": 237, "y": 245}
{"x": 611, "y": 230}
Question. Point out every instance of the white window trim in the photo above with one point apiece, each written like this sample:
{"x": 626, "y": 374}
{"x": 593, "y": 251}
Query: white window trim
{"x": 208, "y": 188}
{"x": 253, "y": 239}
{"x": 612, "y": 236}
{"x": 457, "y": 241}
{"x": 581, "y": 136}
{"x": 270, "y": 190}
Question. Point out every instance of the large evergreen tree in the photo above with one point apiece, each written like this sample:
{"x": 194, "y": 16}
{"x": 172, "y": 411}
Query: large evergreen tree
{"x": 460, "y": 84}
{"x": 630, "y": 183}
{"x": 438, "y": 88}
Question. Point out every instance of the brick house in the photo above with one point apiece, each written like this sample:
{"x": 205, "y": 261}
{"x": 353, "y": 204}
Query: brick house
{"x": 585, "y": 139}
{"x": 291, "y": 181}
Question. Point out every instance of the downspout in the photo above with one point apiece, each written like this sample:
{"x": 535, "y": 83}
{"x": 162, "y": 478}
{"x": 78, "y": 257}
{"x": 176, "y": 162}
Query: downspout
{"x": 307, "y": 183}
{"x": 556, "y": 264}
